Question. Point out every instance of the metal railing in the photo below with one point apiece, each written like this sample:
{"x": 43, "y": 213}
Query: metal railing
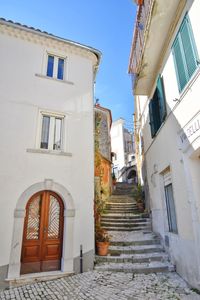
{"x": 139, "y": 35}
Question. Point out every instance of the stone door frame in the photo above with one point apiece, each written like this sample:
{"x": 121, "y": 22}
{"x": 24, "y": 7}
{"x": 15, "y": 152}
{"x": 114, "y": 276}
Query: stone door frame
{"x": 19, "y": 215}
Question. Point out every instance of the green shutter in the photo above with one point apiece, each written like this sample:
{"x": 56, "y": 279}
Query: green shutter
{"x": 188, "y": 46}
{"x": 185, "y": 54}
{"x": 161, "y": 99}
{"x": 179, "y": 64}
{"x": 152, "y": 125}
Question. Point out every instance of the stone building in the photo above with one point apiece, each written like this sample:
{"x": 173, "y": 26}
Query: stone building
{"x": 47, "y": 156}
{"x": 103, "y": 163}
{"x": 164, "y": 64}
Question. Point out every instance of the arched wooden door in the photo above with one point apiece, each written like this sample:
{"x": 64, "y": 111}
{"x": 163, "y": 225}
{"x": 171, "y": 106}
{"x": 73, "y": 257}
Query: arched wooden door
{"x": 43, "y": 233}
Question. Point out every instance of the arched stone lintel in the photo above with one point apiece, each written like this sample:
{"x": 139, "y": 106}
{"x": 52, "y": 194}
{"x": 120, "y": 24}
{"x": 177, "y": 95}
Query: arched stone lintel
{"x": 19, "y": 214}
{"x": 47, "y": 184}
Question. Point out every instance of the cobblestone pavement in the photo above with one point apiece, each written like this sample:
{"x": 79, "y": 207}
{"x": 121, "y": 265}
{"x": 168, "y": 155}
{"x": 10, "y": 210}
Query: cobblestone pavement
{"x": 106, "y": 286}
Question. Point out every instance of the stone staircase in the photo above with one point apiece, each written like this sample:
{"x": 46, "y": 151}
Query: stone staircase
{"x": 134, "y": 247}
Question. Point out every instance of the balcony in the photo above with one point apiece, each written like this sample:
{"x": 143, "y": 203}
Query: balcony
{"x": 154, "y": 30}
{"x": 140, "y": 30}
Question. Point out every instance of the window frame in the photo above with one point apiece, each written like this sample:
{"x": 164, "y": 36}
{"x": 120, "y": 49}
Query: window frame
{"x": 170, "y": 214}
{"x": 56, "y": 66}
{"x": 51, "y": 134}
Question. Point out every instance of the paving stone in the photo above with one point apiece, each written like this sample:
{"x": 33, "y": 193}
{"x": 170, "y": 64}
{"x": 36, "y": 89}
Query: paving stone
{"x": 96, "y": 285}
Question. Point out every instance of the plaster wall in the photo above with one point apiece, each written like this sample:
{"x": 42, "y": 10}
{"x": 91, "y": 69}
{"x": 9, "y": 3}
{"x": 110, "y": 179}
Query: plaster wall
{"x": 117, "y": 143}
{"x": 23, "y": 93}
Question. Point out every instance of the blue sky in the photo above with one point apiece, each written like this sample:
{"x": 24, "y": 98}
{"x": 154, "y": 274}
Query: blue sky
{"x": 103, "y": 24}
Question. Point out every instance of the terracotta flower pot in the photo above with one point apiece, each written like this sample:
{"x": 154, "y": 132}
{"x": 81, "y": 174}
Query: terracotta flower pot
{"x": 102, "y": 248}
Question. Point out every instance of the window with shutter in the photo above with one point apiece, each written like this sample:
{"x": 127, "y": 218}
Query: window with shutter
{"x": 185, "y": 53}
{"x": 157, "y": 108}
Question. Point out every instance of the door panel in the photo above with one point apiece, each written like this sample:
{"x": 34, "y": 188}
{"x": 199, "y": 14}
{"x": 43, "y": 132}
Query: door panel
{"x": 52, "y": 244}
{"x": 43, "y": 233}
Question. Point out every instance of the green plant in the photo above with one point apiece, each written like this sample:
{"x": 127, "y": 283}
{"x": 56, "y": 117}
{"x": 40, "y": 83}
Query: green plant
{"x": 101, "y": 235}
{"x": 138, "y": 193}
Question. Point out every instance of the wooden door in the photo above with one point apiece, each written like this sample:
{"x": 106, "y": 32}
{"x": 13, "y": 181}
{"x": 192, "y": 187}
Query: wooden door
{"x": 43, "y": 233}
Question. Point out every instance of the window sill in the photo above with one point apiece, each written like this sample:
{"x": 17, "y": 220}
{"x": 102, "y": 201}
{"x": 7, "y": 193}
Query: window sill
{"x": 46, "y": 151}
{"x": 54, "y": 79}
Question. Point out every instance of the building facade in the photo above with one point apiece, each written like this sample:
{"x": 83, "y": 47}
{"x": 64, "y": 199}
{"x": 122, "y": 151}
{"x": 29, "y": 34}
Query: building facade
{"x": 123, "y": 152}
{"x": 164, "y": 64}
{"x": 46, "y": 130}
{"x": 103, "y": 162}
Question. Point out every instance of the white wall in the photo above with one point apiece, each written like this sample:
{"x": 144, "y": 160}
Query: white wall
{"x": 22, "y": 95}
{"x": 117, "y": 143}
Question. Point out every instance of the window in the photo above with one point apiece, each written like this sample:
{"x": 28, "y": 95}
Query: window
{"x": 185, "y": 54}
{"x": 55, "y": 67}
{"x": 171, "y": 212}
{"x": 157, "y": 108}
{"x": 169, "y": 199}
{"x": 51, "y": 132}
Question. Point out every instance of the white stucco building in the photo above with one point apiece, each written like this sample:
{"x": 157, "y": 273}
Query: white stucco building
{"x": 46, "y": 129}
{"x": 165, "y": 66}
{"x": 122, "y": 145}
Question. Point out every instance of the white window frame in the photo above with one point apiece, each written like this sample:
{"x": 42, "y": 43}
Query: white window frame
{"x": 55, "y": 66}
{"x": 53, "y": 116}
{"x": 167, "y": 181}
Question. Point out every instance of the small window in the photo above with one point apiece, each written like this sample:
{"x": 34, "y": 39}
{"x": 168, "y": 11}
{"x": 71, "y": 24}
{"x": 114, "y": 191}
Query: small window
{"x": 51, "y": 132}
{"x": 185, "y": 54}
{"x": 55, "y": 67}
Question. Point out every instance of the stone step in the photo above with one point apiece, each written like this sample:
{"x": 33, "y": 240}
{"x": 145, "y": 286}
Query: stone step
{"x": 122, "y": 192}
{"x": 124, "y": 216}
{"x": 129, "y": 207}
{"x": 120, "y": 205}
{"x": 122, "y": 198}
{"x": 152, "y": 267}
{"x": 125, "y": 220}
{"x": 124, "y": 185}
{"x": 114, "y": 211}
{"x": 121, "y": 211}
{"x": 125, "y": 224}
{"x": 126, "y": 228}
{"x": 124, "y": 188}
{"x": 150, "y": 241}
{"x": 135, "y": 258}
{"x": 117, "y": 250}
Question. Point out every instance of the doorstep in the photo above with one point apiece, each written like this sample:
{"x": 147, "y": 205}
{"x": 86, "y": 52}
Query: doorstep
{"x": 36, "y": 277}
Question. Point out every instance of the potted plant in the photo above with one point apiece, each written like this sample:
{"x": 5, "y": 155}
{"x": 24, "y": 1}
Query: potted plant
{"x": 102, "y": 241}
